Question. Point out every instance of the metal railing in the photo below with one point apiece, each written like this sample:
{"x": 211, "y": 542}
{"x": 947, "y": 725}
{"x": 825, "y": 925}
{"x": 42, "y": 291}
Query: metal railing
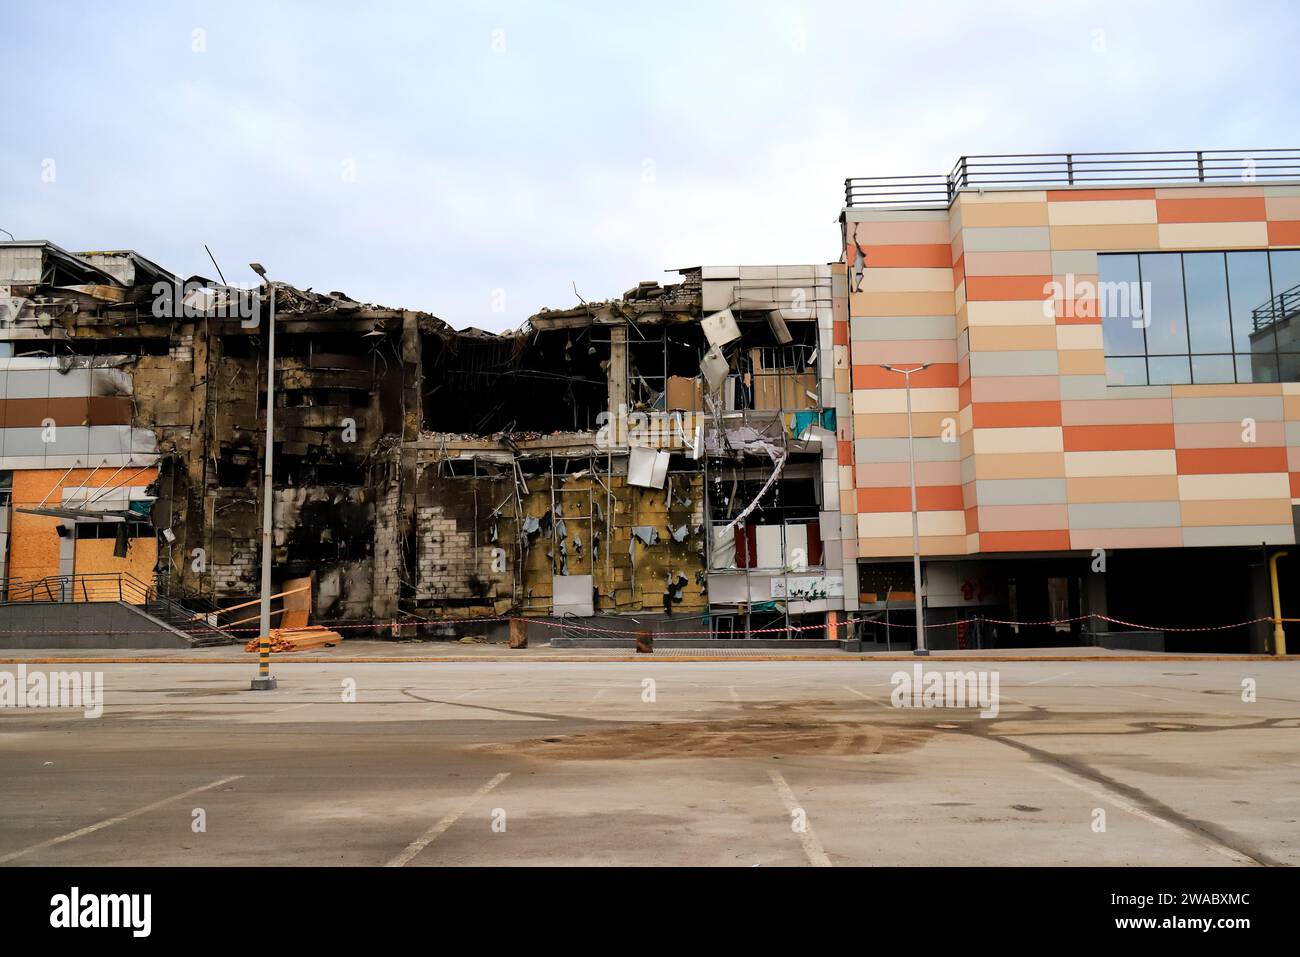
{"x": 1050, "y": 170}
{"x": 89, "y": 587}
{"x": 1281, "y": 308}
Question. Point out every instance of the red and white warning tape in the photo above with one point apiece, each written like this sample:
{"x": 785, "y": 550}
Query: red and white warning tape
{"x": 568, "y": 625}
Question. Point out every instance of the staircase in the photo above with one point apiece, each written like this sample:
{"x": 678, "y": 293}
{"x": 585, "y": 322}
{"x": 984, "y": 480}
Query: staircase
{"x": 178, "y": 611}
{"x": 202, "y": 634}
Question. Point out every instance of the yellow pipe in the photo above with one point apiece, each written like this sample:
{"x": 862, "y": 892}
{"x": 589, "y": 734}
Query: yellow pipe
{"x": 1279, "y": 635}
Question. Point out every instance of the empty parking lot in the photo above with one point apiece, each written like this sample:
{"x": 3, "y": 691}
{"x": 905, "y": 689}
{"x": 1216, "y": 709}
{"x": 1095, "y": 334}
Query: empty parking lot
{"x": 726, "y": 762}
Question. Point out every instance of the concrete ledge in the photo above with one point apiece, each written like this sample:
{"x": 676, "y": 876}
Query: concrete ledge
{"x": 84, "y": 625}
{"x": 1153, "y": 641}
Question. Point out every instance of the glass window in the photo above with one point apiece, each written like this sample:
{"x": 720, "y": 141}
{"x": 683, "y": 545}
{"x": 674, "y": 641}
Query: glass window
{"x": 1126, "y": 371}
{"x": 1286, "y": 269}
{"x": 1168, "y": 370}
{"x": 1206, "y": 280}
{"x": 1286, "y": 302}
{"x": 1248, "y": 290}
{"x": 1210, "y": 316}
{"x": 1257, "y": 368}
{"x": 1162, "y": 281}
{"x": 1206, "y": 369}
{"x": 1120, "y": 303}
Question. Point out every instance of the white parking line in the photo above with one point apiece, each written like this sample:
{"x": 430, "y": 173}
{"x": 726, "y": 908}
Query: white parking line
{"x": 450, "y": 818}
{"x": 1049, "y": 678}
{"x": 1104, "y": 795}
{"x": 864, "y": 697}
{"x": 1153, "y": 697}
{"x": 812, "y": 847}
{"x": 109, "y": 822}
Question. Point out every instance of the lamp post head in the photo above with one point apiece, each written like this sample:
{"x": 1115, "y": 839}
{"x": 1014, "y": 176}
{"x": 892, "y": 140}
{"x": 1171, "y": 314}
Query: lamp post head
{"x": 906, "y": 372}
{"x": 258, "y": 268}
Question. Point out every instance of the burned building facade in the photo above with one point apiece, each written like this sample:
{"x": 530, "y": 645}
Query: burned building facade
{"x": 668, "y": 457}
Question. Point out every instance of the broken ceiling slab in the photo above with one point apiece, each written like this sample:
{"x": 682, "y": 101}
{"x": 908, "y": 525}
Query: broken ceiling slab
{"x": 714, "y": 368}
{"x": 647, "y": 467}
{"x": 779, "y": 329}
{"x": 720, "y": 328}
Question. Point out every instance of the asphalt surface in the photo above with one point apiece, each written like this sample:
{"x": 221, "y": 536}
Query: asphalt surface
{"x": 726, "y": 762}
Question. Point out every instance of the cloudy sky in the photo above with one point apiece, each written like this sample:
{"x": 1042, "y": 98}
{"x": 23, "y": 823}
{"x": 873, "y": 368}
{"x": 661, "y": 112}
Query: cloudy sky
{"x": 478, "y": 159}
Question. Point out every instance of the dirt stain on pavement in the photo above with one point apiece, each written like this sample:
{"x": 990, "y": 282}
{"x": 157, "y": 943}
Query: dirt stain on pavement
{"x": 795, "y": 730}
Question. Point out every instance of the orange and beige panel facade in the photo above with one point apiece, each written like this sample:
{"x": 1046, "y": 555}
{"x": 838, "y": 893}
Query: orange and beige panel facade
{"x": 1048, "y": 419}
{"x": 67, "y": 442}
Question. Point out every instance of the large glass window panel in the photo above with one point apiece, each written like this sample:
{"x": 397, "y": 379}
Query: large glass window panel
{"x": 1205, "y": 278}
{"x": 1248, "y": 290}
{"x": 1121, "y": 305}
{"x": 1286, "y": 269}
{"x": 1126, "y": 371}
{"x": 1207, "y": 369}
{"x": 1168, "y": 370}
{"x": 1285, "y": 311}
{"x": 1162, "y": 282}
{"x": 1259, "y": 367}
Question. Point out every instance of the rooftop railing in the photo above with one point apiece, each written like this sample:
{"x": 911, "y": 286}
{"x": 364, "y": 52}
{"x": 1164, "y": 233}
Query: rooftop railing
{"x": 1056, "y": 170}
{"x": 1282, "y": 308}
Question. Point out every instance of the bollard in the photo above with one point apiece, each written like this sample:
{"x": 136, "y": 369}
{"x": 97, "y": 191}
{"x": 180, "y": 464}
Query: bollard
{"x": 645, "y": 643}
{"x": 518, "y": 633}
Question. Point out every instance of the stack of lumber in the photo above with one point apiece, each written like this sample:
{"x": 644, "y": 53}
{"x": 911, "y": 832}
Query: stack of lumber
{"x": 298, "y": 639}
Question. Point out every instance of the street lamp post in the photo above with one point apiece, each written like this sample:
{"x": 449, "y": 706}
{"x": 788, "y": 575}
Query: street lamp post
{"x": 916, "y": 529}
{"x": 264, "y": 681}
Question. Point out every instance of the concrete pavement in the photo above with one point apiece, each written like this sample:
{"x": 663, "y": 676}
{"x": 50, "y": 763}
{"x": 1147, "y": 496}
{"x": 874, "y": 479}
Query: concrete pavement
{"x": 726, "y": 762}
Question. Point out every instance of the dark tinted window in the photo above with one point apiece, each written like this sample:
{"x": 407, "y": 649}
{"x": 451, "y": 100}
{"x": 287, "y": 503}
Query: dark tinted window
{"x": 1209, "y": 316}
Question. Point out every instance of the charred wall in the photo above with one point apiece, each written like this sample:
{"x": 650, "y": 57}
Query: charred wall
{"x": 488, "y": 542}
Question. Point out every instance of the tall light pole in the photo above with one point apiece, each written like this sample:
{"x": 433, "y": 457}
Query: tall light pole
{"x": 264, "y": 681}
{"x": 916, "y": 528}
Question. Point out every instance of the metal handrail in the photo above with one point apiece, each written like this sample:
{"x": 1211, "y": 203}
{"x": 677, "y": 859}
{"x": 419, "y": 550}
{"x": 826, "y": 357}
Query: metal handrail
{"x": 1285, "y": 305}
{"x": 91, "y": 586}
{"x": 1021, "y": 170}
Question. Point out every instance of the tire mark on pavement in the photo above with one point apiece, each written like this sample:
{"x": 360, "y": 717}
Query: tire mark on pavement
{"x": 1204, "y": 833}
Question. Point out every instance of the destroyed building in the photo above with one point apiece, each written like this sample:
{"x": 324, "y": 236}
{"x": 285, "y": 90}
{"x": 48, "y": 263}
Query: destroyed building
{"x": 666, "y": 460}
{"x": 977, "y": 414}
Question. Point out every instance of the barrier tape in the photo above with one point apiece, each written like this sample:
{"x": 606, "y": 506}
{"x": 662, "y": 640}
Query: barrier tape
{"x": 629, "y": 632}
